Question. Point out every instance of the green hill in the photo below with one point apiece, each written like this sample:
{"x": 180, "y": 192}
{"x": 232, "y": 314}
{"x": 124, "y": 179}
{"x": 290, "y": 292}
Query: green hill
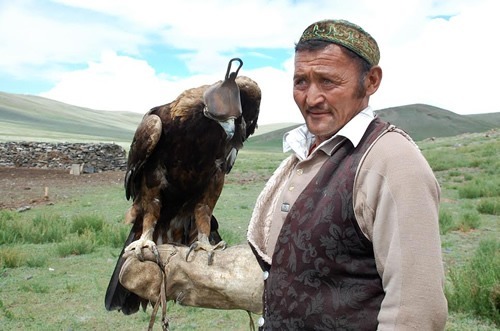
{"x": 489, "y": 118}
{"x": 33, "y": 118}
{"x": 424, "y": 121}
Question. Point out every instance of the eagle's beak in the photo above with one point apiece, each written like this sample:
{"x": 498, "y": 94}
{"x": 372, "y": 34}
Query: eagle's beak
{"x": 222, "y": 99}
{"x": 228, "y": 127}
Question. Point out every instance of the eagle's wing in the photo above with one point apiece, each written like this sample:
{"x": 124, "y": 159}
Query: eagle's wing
{"x": 250, "y": 96}
{"x": 146, "y": 137}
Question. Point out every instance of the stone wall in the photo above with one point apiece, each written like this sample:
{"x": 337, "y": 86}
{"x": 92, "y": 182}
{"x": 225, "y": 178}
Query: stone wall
{"x": 93, "y": 157}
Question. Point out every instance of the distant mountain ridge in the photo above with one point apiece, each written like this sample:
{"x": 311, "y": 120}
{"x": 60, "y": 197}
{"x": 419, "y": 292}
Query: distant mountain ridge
{"x": 424, "y": 121}
{"x": 27, "y": 117}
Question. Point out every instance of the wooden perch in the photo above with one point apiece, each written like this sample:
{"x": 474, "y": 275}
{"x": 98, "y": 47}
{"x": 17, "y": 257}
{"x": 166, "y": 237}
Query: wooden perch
{"x": 233, "y": 281}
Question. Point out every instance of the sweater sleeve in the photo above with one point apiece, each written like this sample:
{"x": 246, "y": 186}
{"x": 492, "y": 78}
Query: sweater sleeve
{"x": 396, "y": 202}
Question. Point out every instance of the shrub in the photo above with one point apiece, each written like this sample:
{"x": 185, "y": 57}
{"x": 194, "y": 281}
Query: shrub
{"x": 480, "y": 188}
{"x": 77, "y": 245}
{"x": 474, "y": 286}
{"x": 80, "y": 224}
{"x": 469, "y": 220}
{"x": 43, "y": 229}
{"x": 46, "y": 229}
{"x": 36, "y": 261}
{"x": 7, "y": 222}
{"x": 113, "y": 235}
{"x": 6, "y": 215}
{"x": 489, "y": 206}
{"x": 446, "y": 223}
{"x": 11, "y": 257}
{"x": 39, "y": 230}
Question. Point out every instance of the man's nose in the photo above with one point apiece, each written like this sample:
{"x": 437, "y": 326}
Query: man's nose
{"x": 314, "y": 95}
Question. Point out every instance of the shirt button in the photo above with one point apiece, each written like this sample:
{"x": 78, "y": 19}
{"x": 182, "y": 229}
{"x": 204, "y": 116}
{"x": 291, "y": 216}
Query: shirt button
{"x": 260, "y": 322}
{"x": 291, "y": 188}
{"x": 300, "y": 172}
{"x": 265, "y": 275}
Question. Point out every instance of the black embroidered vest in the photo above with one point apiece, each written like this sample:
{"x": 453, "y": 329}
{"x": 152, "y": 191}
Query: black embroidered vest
{"x": 323, "y": 275}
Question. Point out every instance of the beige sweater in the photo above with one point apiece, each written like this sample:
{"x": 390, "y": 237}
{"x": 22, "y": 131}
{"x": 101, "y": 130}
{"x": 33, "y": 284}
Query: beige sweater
{"x": 396, "y": 198}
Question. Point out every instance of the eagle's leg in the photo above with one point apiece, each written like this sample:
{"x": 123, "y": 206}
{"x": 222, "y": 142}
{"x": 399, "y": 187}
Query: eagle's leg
{"x": 151, "y": 215}
{"x": 145, "y": 241}
{"x": 203, "y": 215}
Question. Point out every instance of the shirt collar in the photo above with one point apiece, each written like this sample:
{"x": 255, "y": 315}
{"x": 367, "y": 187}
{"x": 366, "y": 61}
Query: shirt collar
{"x": 300, "y": 139}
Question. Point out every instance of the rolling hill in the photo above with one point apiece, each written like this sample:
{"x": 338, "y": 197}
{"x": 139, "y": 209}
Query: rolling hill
{"x": 33, "y": 118}
{"x": 420, "y": 121}
{"x": 424, "y": 121}
{"x": 26, "y": 117}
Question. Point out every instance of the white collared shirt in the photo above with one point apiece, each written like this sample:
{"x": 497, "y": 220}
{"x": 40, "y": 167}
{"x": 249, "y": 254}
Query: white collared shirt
{"x": 300, "y": 139}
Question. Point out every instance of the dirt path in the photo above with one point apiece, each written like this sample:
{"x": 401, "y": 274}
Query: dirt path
{"x": 21, "y": 187}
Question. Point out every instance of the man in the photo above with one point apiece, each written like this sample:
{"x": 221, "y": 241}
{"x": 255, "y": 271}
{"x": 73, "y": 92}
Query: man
{"x": 346, "y": 230}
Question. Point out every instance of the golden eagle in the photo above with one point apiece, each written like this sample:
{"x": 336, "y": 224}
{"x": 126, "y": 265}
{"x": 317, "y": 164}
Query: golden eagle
{"x": 177, "y": 162}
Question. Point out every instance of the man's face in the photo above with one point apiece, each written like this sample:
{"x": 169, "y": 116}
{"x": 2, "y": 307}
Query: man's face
{"x": 326, "y": 90}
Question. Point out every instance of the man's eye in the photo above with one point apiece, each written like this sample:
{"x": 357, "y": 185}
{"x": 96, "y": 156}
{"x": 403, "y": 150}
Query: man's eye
{"x": 299, "y": 82}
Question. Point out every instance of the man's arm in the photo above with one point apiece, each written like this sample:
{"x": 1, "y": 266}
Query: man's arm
{"x": 397, "y": 204}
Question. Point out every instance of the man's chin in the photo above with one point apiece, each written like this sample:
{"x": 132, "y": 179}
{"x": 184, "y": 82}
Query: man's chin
{"x": 321, "y": 125}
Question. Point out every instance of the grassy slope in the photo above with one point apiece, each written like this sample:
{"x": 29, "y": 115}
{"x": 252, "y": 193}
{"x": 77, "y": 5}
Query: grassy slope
{"x": 34, "y": 118}
{"x": 25, "y": 117}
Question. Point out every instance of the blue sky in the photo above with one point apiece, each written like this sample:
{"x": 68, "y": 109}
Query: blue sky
{"x": 133, "y": 55}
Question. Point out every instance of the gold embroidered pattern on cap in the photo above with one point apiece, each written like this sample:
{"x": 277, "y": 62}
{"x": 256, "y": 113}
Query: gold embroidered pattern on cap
{"x": 346, "y": 34}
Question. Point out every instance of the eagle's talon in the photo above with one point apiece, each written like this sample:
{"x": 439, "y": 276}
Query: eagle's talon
{"x": 138, "y": 245}
{"x": 221, "y": 245}
{"x": 209, "y": 248}
{"x": 194, "y": 246}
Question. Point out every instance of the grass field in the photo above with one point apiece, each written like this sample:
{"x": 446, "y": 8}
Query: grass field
{"x": 55, "y": 261}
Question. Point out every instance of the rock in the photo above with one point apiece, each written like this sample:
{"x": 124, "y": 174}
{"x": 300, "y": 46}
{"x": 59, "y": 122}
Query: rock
{"x": 23, "y": 208}
{"x": 94, "y": 157}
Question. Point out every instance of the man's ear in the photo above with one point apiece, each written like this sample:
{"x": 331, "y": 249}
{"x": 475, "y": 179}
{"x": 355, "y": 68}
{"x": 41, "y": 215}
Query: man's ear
{"x": 373, "y": 79}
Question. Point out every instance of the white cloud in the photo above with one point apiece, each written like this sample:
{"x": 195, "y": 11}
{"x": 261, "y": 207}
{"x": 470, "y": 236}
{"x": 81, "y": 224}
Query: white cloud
{"x": 112, "y": 83}
{"x": 35, "y": 40}
{"x": 277, "y": 105}
{"x": 448, "y": 63}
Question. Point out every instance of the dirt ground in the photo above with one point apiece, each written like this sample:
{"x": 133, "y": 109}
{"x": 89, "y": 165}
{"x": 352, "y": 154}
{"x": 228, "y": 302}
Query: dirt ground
{"x": 26, "y": 187}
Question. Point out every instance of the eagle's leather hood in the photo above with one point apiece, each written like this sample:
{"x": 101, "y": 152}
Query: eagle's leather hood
{"x": 222, "y": 99}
